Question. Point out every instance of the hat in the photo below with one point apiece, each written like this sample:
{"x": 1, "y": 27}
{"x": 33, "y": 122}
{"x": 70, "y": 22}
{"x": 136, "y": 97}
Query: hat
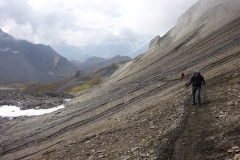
{"x": 196, "y": 71}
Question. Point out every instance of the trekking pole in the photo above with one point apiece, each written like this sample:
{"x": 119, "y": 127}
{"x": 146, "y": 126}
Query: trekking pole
{"x": 202, "y": 93}
{"x": 187, "y": 89}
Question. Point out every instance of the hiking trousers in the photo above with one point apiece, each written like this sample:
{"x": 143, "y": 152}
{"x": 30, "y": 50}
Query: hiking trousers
{"x": 198, "y": 90}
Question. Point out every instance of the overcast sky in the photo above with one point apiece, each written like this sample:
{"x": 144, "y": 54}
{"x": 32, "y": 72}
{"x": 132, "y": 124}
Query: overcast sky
{"x": 89, "y": 22}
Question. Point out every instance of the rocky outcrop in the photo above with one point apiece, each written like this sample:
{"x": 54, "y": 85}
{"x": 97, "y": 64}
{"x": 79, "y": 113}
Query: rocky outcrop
{"x": 206, "y": 16}
{"x": 210, "y": 14}
{"x": 154, "y": 43}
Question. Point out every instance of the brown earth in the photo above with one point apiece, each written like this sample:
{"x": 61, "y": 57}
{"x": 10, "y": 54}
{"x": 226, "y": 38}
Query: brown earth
{"x": 145, "y": 113}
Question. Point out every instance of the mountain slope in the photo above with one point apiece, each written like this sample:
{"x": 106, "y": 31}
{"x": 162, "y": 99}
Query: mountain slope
{"x": 144, "y": 111}
{"x": 106, "y": 71}
{"x": 95, "y": 63}
{"x": 22, "y": 61}
{"x": 205, "y": 14}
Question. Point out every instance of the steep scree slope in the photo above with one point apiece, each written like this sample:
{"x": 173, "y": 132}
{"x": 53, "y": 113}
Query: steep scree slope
{"x": 144, "y": 112}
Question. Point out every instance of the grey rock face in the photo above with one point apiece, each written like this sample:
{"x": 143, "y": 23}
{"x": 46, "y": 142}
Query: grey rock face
{"x": 22, "y": 61}
{"x": 155, "y": 43}
{"x": 211, "y": 14}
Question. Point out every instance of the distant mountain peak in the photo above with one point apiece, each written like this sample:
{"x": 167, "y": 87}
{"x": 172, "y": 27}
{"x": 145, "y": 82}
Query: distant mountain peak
{"x": 4, "y": 35}
{"x": 23, "y": 61}
{"x": 1, "y": 32}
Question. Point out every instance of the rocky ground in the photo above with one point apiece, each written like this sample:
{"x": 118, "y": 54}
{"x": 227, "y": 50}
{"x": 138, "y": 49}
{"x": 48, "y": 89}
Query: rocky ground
{"x": 174, "y": 129}
{"x": 26, "y": 100}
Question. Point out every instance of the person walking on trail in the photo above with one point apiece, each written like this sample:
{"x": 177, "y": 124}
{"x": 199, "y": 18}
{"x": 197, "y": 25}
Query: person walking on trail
{"x": 182, "y": 75}
{"x": 197, "y": 81}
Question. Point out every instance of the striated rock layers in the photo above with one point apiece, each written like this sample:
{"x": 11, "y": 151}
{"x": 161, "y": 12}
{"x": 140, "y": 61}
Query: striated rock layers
{"x": 207, "y": 15}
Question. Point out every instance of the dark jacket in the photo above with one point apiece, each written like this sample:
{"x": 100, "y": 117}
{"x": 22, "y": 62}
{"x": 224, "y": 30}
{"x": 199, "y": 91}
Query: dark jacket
{"x": 197, "y": 81}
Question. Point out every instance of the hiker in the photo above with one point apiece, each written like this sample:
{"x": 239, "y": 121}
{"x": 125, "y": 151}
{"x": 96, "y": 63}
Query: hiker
{"x": 197, "y": 81}
{"x": 182, "y": 75}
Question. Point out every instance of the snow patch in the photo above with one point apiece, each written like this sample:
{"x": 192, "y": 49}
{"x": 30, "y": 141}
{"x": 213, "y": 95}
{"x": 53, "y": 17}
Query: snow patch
{"x": 15, "y": 52}
{"x": 4, "y": 50}
{"x": 8, "y": 49}
{"x": 14, "y": 111}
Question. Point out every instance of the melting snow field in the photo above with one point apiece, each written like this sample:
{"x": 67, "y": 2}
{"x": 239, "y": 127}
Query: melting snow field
{"x": 13, "y": 111}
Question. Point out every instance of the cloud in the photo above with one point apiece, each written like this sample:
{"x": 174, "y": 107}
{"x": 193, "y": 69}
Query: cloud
{"x": 88, "y": 22}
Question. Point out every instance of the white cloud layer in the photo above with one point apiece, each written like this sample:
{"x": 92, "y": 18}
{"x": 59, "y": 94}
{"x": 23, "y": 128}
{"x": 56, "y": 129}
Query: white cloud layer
{"x": 89, "y": 22}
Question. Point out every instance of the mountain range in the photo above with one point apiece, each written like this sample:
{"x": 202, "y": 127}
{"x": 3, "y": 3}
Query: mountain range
{"x": 91, "y": 64}
{"x": 22, "y": 61}
{"x": 107, "y": 50}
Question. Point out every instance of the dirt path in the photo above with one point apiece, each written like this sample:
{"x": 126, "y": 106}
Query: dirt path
{"x": 191, "y": 142}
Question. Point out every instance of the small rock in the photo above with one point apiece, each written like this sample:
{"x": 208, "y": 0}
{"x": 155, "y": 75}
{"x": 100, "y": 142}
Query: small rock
{"x": 100, "y": 151}
{"x": 143, "y": 155}
{"x": 235, "y": 148}
{"x": 134, "y": 149}
{"x": 91, "y": 158}
{"x": 152, "y": 127}
{"x": 221, "y": 116}
{"x": 100, "y": 156}
{"x": 152, "y": 151}
{"x": 230, "y": 103}
{"x": 236, "y": 157}
{"x": 230, "y": 150}
{"x": 210, "y": 138}
{"x": 126, "y": 157}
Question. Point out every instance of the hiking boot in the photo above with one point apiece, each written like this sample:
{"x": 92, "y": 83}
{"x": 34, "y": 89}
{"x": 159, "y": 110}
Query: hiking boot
{"x": 193, "y": 103}
{"x": 199, "y": 104}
